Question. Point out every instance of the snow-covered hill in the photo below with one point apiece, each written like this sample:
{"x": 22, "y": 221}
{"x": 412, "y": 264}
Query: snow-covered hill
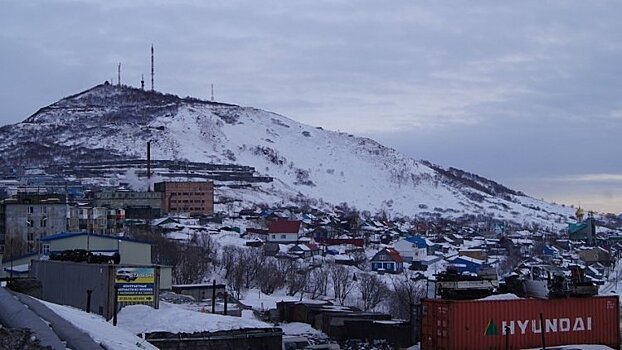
{"x": 307, "y": 163}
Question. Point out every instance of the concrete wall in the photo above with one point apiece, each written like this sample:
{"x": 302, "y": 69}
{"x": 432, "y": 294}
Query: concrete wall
{"x": 17, "y": 216}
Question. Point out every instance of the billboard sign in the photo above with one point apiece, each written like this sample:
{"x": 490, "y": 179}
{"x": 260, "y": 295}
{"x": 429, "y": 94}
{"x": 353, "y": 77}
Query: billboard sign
{"x": 135, "y": 284}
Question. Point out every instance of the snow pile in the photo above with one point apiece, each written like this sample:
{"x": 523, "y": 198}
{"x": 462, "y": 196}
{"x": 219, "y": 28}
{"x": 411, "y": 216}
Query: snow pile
{"x": 507, "y": 296}
{"x": 99, "y": 329}
{"x": 171, "y": 318}
{"x": 302, "y": 329}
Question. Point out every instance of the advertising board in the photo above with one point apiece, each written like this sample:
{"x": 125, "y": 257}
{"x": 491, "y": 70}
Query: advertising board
{"x": 135, "y": 284}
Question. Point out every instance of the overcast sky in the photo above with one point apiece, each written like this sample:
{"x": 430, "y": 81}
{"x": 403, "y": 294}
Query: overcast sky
{"x": 527, "y": 93}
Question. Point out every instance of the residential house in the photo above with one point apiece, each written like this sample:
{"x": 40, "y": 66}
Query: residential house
{"x": 475, "y": 253}
{"x": 596, "y": 255}
{"x": 466, "y": 264}
{"x": 305, "y": 250}
{"x": 550, "y": 252}
{"x": 387, "y": 260}
{"x": 284, "y": 231}
{"x": 412, "y": 248}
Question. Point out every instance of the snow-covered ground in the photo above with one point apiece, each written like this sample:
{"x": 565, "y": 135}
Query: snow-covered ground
{"x": 103, "y": 332}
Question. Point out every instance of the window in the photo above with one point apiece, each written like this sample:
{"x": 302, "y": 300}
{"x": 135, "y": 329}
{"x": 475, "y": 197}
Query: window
{"x": 283, "y": 236}
{"x": 273, "y": 236}
{"x": 44, "y": 210}
{"x": 44, "y": 221}
{"x": 30, "y": 223}
{"x": 31, "y": 236}
{"x": 45, "y": 249}
{"x": 31, "y": 210}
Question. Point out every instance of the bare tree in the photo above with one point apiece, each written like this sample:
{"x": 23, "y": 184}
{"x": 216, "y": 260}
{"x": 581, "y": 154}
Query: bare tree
{"x": 373, "y": 290}
{"x": 405, "y": 295}
{"x": 194, "y": 260}
{"x": 296, "y": 278}
{"x": 190, "y": 261}
{"x": 270, "y": 277}
{"x": 343, "y": 282}
{"x": 317, "y": 283}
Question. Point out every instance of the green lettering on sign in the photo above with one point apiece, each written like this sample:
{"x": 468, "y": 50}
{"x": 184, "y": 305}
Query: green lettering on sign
{"x": 491, "y": 329}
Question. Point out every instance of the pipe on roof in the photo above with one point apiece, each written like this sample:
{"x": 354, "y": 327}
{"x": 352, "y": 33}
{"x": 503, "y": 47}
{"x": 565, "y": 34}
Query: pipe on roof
{"x": 76, "y": 339}
{"x": 14, "y": 314}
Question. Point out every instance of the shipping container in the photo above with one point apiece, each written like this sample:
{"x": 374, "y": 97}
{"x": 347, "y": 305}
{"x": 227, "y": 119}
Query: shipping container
{"x": 518, "y": 324}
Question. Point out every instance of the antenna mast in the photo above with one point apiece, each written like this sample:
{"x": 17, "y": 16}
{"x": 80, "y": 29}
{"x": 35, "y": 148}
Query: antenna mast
{"x": 142, "y": 81}
{"x": 151, "y": 67}
{"x": 119, "y": 74}
{"x": 212, "y": 92}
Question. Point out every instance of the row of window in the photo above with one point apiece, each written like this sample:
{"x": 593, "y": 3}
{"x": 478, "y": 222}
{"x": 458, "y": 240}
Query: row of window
{"x": 188, "y": 193}
{"x": 188, "y": 201}
{"x": 187, "y": 209}
{"x": 42, "y": 223}
{"x": 42, "y": 210}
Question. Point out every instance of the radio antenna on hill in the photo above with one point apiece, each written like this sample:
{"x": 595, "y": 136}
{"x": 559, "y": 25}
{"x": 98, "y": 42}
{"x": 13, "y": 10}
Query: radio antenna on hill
{"x": 151, "y": 67}
{"x": 142, "y": 81}
{"x": 212, "y": 92}
{"x": 119, "y": 74}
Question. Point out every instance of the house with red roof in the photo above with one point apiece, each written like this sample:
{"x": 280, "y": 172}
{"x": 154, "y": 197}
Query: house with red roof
{"x": 387, "y": 260}
{"x": 284, "y": 231}
{"x": 305, "y": 250}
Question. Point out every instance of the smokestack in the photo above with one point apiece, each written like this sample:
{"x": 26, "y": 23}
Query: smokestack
{"x": 151, "y": 67}
{"x": 148, "y": 165}
{"x": 149, "y": 159}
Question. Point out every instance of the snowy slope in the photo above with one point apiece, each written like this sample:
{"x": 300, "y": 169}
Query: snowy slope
{"x": 307, "y": 163}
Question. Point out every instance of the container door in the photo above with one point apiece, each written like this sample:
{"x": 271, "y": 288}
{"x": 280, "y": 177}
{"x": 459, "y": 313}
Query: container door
{"x": 435, "y": 325}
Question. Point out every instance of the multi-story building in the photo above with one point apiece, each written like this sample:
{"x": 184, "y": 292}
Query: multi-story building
{"x": 30, "y": 217}
{"x": 194, "y": 198}
{"x": 137, "y": 205}
{"x": 97, "y": 220}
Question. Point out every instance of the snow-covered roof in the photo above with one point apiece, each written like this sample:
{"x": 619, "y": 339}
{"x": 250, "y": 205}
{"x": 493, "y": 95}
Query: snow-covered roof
{"x": 171, "y": 318}
{"x": 103, "y": 332}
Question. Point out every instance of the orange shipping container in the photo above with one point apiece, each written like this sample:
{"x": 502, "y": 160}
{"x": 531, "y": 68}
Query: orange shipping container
{"x": 495, "y": 324}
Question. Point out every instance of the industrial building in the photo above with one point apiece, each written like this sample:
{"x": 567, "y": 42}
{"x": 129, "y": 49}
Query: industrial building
{"x": 137, "y": 205}
{"x": 194, "y": 198}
